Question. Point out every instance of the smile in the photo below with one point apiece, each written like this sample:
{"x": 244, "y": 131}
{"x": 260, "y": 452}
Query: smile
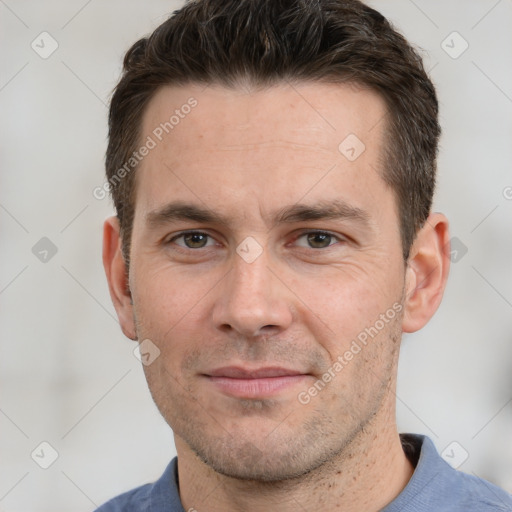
{"x": 259, "y": 383}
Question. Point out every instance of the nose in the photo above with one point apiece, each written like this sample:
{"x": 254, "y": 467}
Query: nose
{"x": 252, "y": 300}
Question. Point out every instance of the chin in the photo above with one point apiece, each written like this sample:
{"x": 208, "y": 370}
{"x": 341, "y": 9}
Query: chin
{"x": 282, "y": 454}
{"x": 250, "y": 464}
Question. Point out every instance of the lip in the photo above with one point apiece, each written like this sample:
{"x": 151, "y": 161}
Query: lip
{"x": 254, "y": 383}
{"x": 237, "y": 372}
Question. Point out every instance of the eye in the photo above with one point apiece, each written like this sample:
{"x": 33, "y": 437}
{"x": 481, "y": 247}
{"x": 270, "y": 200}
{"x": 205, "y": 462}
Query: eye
{"x": 192, "y": 240}
{"x": 317, "y": 239}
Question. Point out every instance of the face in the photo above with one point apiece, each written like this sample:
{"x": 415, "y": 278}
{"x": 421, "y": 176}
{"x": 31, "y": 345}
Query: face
{"x": 266, "y": 267}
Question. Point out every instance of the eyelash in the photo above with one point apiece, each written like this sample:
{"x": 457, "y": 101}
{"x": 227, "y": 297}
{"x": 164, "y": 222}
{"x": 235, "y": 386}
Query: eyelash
{"x": 304, "y": 233}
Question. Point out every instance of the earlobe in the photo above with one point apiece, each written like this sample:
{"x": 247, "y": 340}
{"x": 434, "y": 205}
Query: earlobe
{"x": 117, "y": 276}
{"x": 427, "y": 272}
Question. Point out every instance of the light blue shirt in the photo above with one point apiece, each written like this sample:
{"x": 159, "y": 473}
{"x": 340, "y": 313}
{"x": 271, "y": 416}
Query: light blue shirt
{"x": 434, "y": 487}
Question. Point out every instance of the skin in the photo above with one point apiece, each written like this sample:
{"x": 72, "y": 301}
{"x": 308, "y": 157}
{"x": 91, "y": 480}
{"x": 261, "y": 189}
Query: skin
{"x": 247, "y": 154}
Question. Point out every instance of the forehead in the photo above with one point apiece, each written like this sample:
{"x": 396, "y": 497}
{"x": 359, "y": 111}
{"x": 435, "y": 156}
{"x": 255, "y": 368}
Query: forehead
{"x": 211, "y": 143}
{"x": 264, "y": 112}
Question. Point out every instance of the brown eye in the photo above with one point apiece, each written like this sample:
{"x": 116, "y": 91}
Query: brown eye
{"x": 319, "y": 240}
{"x": 195, "y": 240}
{"x": 191, "y": 240}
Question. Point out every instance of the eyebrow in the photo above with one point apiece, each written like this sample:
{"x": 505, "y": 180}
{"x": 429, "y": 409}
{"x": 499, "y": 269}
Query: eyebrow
{"x": 324, "y": 210}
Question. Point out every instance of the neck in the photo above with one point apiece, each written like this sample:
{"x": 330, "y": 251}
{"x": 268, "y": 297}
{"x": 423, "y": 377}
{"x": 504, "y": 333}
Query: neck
{"x": 367, "y": 475}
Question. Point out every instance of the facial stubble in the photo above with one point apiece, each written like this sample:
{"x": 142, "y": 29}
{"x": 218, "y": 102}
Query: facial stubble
{"x": 298, "y": 444}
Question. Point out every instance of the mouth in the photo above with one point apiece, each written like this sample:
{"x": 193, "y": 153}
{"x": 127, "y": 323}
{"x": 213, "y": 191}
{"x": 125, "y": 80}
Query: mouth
{"x": 255, "y": 383}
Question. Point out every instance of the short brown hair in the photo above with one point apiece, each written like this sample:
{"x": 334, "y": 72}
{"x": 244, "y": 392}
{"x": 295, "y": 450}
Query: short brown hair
{"x": 264, "y": 43}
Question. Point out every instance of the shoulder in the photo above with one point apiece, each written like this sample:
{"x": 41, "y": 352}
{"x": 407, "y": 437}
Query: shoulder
{"x": 435, "y": 485}
{"x": 480, "y": 495}
{"x": 160, "y": 496}
{"x": 135, "y": 500}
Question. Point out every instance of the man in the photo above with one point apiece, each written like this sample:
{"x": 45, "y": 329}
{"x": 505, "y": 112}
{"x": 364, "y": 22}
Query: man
{"x": 272, "y": 165}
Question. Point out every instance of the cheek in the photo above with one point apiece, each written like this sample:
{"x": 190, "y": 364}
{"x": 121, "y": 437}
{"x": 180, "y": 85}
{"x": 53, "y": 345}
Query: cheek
{"x": 343, "y": 302}
{"x": 165, "y": 295}
{"x": 167, "y": 311}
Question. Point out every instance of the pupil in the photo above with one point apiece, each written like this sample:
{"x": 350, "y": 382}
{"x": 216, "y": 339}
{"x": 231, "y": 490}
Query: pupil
{"x": 320, "y": 236}
{"x": 195, "y": 239}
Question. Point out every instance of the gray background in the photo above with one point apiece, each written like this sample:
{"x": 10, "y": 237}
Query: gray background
{"x": 69, "y": 377}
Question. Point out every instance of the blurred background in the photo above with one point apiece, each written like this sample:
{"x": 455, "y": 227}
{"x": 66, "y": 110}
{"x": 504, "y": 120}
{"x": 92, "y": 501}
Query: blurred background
{"x": 77, "y": 423}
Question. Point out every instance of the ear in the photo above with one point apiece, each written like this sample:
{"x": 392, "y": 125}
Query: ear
{"x": 117, "y": 276}
{"x": 427, "y": 272}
